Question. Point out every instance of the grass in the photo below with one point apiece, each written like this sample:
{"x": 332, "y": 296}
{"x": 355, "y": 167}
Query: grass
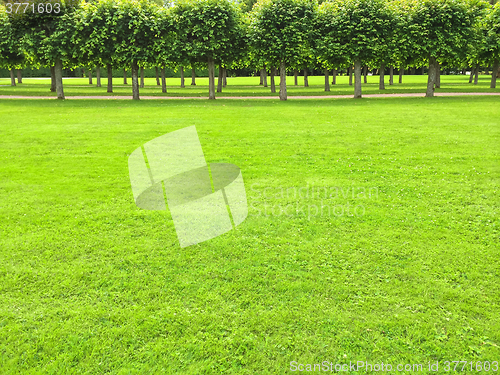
{"x": 92, "y": 284}
{"x": 245, "y": 86}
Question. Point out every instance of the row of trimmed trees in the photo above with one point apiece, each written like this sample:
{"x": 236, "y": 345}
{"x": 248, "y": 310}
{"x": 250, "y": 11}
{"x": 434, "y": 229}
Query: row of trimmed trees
{"x": 275, "y": 36}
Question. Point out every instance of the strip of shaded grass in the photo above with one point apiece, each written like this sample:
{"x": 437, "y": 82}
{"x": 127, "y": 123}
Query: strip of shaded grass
{"x": 245, "y": 86}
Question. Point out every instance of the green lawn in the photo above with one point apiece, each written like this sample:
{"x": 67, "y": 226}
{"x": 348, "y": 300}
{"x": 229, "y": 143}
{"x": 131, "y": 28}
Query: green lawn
{"x": 89, "y": 283}
{"x": 246, "y": 86}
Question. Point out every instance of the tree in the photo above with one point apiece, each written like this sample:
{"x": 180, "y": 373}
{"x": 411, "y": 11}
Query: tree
{"x": 10, "y": 50}
{"x": 205, "y": 32}
{"x": 443, "y": 31}
{"x": 360, "y": 31}
{"x": 48, "y": 32}
{"x": 164, "y": 46}
{"x": 279, "y": 32}
{"x": 492, "y": 40}
{"x": 95, "y": 36}
{"x": 325, "y": 41}
{"x": 136, "y": 26}
{"x": 406, "y": 50}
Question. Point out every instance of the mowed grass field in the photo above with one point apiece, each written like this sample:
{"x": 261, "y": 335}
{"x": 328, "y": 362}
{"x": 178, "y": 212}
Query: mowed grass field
{"x": 246, "y": 86}
{"x": 404, "y": 270}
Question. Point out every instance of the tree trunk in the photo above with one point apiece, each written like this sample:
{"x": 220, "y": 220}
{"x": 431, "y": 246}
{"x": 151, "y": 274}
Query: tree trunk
{"x": 306, "y": 79}
{"x": 350, "y": 75}
{"x": 263, "y": 76}
{"x": 283, "y": 93}
{"x": 476, "y": 74}
{"x": 401, "y": 72}
{"x": 391, "y": 75}
{"x": 157, "y": 76}
{"x": 381, "y": 83}
{"x": 163, "y": 81}
{"x": 98, "y": 75}
{"x": 431, "y": 77}
{"x": 494, "y": 73}
{"x": 365, "y": 74}
{"x": 90, "y": 76}
{"x": 211, "y": 78}
{"x": 52, "y": 79}
{"x": 357, "y": 79}
{"x": 438, "y": 75}
{"x": 110, "y": 78}
{"x": 19, "y": 76}
{"x": 193, "y": 76}
{"x": 273, "y": 85}
{"x": 142, "y": 77}
{"x": 295, "y": 77}
{"x": 219, "y": 79}
{"x": 135, "y": 81}
{"x": 471, "y": 76}
{"x": 182, "y": 78}
{"x": 327, "y": 80}
{"x": 124, "y": 76}
{"x": 59, "y": 81}
{"x": 334, "y": 77}
{"x": 224, "y": 77}
{"x": 12, "y": 78}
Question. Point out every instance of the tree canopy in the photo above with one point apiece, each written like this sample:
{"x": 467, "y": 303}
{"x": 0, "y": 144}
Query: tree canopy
{"x": 288, "y": 34}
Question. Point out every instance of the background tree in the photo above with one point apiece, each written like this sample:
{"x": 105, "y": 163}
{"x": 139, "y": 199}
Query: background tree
{"x": 279, "y": 32}
{"x": 11, "y": 54}
{"x": 492, "y": 41}
{"x": 136, "y": 27}
{"x": 205, "y": 31}
{"x": 48, "y": 36}
{"x": 362, "y": 29}
{"x": 406, "y": 50}
{"x": 164, "y": 45}
{"x": 95, "y": 36}
{"x": 443, "y": 31}
{"x": 325, "y": 41}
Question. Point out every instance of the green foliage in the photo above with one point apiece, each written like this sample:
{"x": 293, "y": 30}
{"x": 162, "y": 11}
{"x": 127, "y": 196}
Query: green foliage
{"x": 406, "y": 49}
{"x": 247, "y": 5}
{"x": 206, "y": 29}
{"x": 6, "y": 38}
{"x": 11, "y": 51}
{"x": 280, "y": 30}
{"x": 492, "y": 31}
{"x": 444, "y": 28}
{"x": 136, "y": 26}
{"x": 118, "y": 32}
{"x": 95, "y": 34}
{"x": 46, "y": 36}
{"x": 356, "y": 30}
{"x": 164, "y": 45}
